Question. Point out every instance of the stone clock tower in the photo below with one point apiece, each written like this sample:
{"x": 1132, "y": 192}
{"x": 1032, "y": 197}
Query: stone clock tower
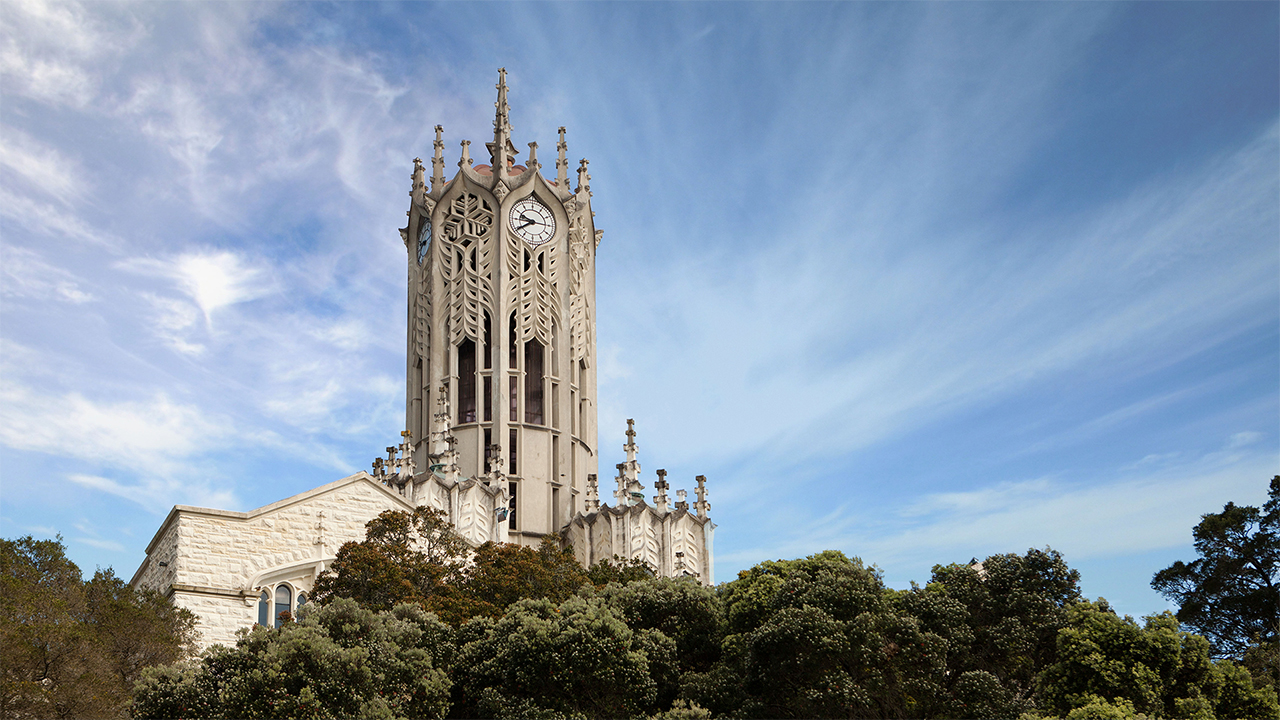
{"x": 500, "y": 413}
{"x": 501, "y": 341}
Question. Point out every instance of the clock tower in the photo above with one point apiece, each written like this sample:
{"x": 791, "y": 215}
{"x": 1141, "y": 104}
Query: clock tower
{"x": 501, "y": 336}
{"x": 500, "y": 408}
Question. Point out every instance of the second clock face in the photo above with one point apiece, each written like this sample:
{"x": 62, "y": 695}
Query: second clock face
{"x": 424, "y": 239}
{"x": 532, "y": 221}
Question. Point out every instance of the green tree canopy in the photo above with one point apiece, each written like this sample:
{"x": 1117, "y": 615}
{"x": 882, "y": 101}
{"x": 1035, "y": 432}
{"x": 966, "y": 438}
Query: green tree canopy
{"x": 405, "y": 557}
{"x": 575, "y": 660}
{"x": 1231, "y": 594}
{"x": 71, "y": 648}
{"x": 819, "y": 637}
{"x": 338, "y": 661}
{"x": 1105, "y": 661}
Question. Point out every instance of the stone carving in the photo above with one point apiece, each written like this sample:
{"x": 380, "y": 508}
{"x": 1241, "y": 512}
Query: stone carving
{"x": 467, "y": 248}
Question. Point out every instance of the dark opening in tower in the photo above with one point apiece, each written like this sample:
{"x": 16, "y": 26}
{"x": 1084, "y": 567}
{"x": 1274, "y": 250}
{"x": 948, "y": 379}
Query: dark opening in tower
{"x": 533, "y": 382}
{"x": 466, "y": 381}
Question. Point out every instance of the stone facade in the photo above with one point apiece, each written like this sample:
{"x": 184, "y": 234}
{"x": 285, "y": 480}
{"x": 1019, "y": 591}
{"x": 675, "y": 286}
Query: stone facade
{"x": 500, "y": 409}
{"x": 217, "y": 563}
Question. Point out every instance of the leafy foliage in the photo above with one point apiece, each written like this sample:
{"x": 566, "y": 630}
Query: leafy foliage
{"x": 1231, "y": 594}
{"x": 73, "y": 648}
{"x": 575, "y": 660}
{"x": 405, "y": 557}
{"x": 338, "y": 661}
{"x": 1155, "y": 670}
{"x": 819, "y": 637}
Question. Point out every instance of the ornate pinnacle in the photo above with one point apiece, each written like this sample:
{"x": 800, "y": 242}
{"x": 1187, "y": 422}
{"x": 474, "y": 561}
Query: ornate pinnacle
{"x": 533, "y": 157}
{"x": 466, "y": 154}
{"x": 501, "y": 151}
{"x": 418, "y": 175}
{"x": 502, "y": 119}
{"x": 630, "y": 447}
{"x": 593, "y": 494}
{"x": 702, "y": 506}
{"x": 562, "y": 165}
{"x": 437, "y": 162}
{"x": 660, "y": 500}
{"x": 584, "y": 179}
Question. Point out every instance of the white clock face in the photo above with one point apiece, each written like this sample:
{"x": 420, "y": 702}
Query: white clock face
{"x": 424, "y": 239}
{"x": 532, "y": 221}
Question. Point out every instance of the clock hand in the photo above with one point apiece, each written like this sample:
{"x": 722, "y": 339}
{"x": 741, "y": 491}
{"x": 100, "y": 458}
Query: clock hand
{"x": 527, "y": 221}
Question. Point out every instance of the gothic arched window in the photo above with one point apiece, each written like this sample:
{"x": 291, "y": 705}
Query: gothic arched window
{"x": 284, "y": 601}
{"x": 264, "y": 609}
{"x": 533, "y": 355}
{"x": 466, "y": 381}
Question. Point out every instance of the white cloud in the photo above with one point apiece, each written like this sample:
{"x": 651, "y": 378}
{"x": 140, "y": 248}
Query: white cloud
{"x": 27, "y": 275}
{"x": 41, "y": 166}
{"x": 55, "y": 52}
{"x": 149, "y": 436}
{"x": 212, "y": 279}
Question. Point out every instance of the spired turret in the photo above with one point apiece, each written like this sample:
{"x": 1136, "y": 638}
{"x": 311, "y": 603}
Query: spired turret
{"x": 501, "y": 338}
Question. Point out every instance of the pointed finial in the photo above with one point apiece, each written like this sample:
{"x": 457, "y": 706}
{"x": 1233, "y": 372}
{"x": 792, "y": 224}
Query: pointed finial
{"x": 584, "y": 180}
{"x": 593, "y": 493}
{"x": 562, "y": 164}
{"x": 532, "y": 163}
{"x": 702, "y": 506}
{"x": 630, "y": 447}
{"x": 437, "y": 162}
{"x": 660, "y": 500}
{"x": 466, "y": 154}
{"x": 418, "y": 173}
{"x": 501, "y": 151}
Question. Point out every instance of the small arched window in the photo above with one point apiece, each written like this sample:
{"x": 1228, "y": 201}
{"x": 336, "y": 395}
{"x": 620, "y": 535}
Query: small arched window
{"x": 284, "y": 601}
{"x": 264, "y": 609}
{"x": 302, "y": 600}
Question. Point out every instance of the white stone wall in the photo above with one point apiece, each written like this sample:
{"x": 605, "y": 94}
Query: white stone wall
{"x": 218, "y": 560}
{"x": 641, "y": 532}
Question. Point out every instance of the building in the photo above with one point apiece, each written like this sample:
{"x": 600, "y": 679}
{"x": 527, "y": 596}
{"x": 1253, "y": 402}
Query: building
{"x": 500, "y": 408}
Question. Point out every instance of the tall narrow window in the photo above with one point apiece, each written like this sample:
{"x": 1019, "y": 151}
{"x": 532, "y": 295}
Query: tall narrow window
{"x": 264, "y": 609}
{"x": 514, "y": 340}
{"x": 417, "y": 422}
{"x": 533, "y": 382}
{"x": 284, "y": 599}
{"x": 466, "y": 381}
{"x": 512, "y": 505}
{"x": 488, "y": 396}
{"x": 513, "y": 386}
{"x": 488, "y": 342}
{"x": 488, "y": 450}
{"x": 555, "y": 505}
{"x": 512, "y": 471}
{"x": 555, "y": 405}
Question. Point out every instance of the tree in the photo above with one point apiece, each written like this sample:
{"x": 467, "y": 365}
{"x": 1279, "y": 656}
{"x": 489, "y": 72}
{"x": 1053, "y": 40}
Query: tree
{"x": 405, "y": 557}
{"x": 1000, "y": 619}
{"x": 72, "y": 648}
{"x": 339, "y": 660}
{"x": 540, "y": 660}
{"x": 1231, "y": 594}
{"x": 819, "y": 637}
{"x": 619, "y": 570}
{"x": 502, "y": 574}
{"x": 1108, "y": 664}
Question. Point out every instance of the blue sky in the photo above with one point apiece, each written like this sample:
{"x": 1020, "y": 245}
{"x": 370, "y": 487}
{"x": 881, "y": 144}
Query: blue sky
{"x": 919, "y": 282}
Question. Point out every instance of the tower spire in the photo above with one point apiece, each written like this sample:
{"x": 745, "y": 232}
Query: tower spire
{"x": 437, "y": 162}
{"x": 562, "y": 164}
{"x": 502, "y": 151}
